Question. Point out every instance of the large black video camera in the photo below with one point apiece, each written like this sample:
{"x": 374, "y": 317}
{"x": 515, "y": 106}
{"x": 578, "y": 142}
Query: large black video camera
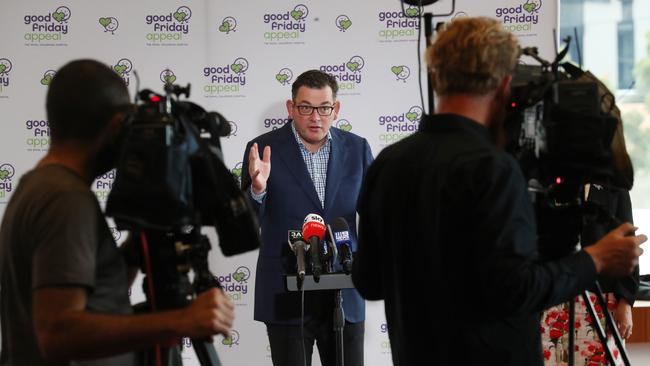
{"x": 560, "y": 124}
{"x": 170, "y": 173}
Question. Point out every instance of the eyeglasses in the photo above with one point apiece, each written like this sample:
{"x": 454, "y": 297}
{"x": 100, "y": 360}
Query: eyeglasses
{"x": 307, "y": 110}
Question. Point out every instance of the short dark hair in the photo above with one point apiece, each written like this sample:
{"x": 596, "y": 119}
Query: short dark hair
{"x": 82, "y": 98}
{"x": 314, "y": 79}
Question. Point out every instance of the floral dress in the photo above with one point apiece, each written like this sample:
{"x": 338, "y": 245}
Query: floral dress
{"x": 588, "y": 349}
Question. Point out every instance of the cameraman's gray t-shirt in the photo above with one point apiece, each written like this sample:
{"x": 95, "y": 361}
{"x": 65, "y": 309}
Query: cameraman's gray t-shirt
{"x": 54, "y": 234}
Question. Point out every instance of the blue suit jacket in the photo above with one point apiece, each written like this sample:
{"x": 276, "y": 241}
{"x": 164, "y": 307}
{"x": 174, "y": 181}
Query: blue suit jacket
{"x": 290, "y": 196}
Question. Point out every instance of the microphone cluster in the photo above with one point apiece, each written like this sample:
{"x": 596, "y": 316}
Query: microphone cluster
{"x": 325, "y": 244}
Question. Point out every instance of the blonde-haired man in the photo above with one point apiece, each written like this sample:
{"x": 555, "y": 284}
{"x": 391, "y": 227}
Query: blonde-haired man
{"x": 444, "y": 214}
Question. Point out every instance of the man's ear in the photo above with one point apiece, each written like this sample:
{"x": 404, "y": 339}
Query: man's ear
{"x": 290, "y": 108}
{"x": 504, "y": 86}
{"x": 337, "y": 108}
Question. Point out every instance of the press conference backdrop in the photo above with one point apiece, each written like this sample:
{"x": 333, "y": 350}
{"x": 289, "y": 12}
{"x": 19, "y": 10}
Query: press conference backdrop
{"x": 241, "y": 59}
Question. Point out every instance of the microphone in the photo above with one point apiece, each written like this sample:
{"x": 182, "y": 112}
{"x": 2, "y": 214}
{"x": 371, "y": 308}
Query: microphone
{"x": 340, "y": 234}
{"x": 298, "y": 246}
{"x": 313, "y": 229}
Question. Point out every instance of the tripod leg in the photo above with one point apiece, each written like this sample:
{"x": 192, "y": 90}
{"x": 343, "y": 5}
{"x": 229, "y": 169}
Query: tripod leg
{"x": 595, "y": 322}
{"x": 611, "y": 325}
{"x": 572, "y": 332}
{"x": 206, "y": 353}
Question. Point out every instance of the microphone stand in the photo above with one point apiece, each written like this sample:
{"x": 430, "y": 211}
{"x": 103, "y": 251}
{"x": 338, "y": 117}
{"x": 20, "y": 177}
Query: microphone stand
{"x": 328, "y": 281}
{"x": 428, "y": 33}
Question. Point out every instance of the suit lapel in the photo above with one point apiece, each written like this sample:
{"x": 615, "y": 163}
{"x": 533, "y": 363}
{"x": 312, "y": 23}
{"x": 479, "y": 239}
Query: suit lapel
{"x": 289, "y": 153}
{"x": 338, "y": 159}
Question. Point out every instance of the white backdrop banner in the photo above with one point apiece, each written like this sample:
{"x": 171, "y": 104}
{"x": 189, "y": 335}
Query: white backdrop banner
{"x": 240, "y": 60}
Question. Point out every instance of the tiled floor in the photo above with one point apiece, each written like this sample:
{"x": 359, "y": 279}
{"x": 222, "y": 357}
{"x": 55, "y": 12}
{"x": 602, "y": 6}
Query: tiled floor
{"x": 639, "y": 354}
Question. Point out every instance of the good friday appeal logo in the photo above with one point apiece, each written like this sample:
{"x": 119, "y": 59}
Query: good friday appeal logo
{"x": 348, "y": 74}
{"x": 38, "y": 135}
{"x": 227, "y": 25}
{"x": 286, "y": 27}
{"x": 398, "y": 126}
{"x": 123, "y": 68}
{"x": 284, "y": 76}
{"x": 384, "y": 345}
{"x": 402, "y": 72}
{"x": 235, "y": 284}
{"x": 109, "y": 24}
{"x": 44, "y": 29}
{"x": 344, "y": 125}
{"x": 237, "y": 172}
{"x": 521, "y": 18}
{"x": 227, "y": 80}
{"x": 5, "y": 80}
{"x": 47, "y": 77}
{"x": 167, "y": 76}
{"x": 103, "y": 184}
{"x": 168, "y": 29}
{"x": 7, "y": 172}
{"x": 274, "y": 123}
{"x": 232, "y": 340}
{"x": 399, "y": 26}
{"x": 343, "y": 23}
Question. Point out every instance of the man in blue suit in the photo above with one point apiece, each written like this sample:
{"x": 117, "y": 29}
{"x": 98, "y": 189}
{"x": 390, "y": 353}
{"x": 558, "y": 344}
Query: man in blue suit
{"x": 316, "y": 169}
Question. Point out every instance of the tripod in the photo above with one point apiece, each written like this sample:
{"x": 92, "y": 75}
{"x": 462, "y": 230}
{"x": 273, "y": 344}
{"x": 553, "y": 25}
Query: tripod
{"x": 598, "y": 215}
{"x": 167, "y": 286}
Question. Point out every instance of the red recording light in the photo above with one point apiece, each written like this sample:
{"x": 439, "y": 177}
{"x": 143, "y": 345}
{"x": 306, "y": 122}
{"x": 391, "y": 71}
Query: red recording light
{"x": 154, "y": 98}
{"x": 513, "y": 104}
{"x": 558, "y": 180}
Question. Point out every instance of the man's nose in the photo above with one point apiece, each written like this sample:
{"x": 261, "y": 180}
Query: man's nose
{"x": 314, "y": 116}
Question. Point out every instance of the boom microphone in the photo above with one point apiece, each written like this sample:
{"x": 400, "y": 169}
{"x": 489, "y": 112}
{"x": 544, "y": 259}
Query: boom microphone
{"x": 340, "y": 233}
{"x": 313, "y": 229}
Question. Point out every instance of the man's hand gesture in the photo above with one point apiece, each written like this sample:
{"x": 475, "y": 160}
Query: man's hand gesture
{"x": 259, "y": 169}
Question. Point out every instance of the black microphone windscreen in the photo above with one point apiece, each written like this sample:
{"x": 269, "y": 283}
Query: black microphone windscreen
{"x": 340, "y": 224}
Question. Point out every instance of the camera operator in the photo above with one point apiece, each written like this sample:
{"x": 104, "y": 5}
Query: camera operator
{"x": 445, "y": 212}
{"x": 64, "y": 281}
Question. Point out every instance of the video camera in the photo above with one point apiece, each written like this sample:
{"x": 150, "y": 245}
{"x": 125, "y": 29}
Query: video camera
{"x": 559, "y": 126}
{"x": 170, "y": 173}
{"x": 560, "y": 123}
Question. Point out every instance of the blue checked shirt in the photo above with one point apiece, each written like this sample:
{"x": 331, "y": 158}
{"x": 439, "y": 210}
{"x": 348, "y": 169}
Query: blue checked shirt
{"x": 316, "y": 166}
